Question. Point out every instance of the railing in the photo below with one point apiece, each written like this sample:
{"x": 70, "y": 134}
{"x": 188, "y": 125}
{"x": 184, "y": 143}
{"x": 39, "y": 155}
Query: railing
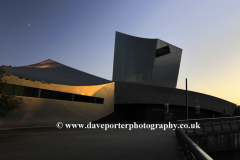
{"x": 217, "y": 124}
{"x": 191, "y": 150}
{"x": 202, "y": 120}
{"x": 214, "y": 126}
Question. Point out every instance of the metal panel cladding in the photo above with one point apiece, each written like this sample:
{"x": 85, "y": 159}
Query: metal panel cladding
{"x": 147, "y": 61}
{"x": 133, "y": 58}
{"x": 132, "y": 93}
{"x": 166, "y": 67}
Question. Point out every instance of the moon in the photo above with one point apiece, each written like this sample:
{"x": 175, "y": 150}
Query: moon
{"x": 28, "y": 24}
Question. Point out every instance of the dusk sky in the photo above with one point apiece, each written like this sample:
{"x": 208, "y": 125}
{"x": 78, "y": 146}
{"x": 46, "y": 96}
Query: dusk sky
{"x": 81, "y": 34}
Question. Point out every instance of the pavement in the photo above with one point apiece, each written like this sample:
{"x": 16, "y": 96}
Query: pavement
{"x": 118, "y": 144}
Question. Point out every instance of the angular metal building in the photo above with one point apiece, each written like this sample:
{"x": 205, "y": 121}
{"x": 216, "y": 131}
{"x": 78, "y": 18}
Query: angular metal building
{"x": 145, "y": 74}
{"x": 147, "y": 61}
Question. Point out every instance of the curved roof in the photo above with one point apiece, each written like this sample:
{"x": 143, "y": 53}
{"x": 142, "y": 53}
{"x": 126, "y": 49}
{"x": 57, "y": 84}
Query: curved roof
{"x": 53, "y": 72}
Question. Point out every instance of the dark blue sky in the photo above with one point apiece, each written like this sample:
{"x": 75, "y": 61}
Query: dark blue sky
{"x": 81, "y": 34}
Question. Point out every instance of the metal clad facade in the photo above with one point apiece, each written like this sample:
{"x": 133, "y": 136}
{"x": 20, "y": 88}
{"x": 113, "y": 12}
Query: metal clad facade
{"x": 132, "y": 93}
{"x": 135, "y": 61}
{"x": 166, "y": 67}
{"x": 133, "y": 58}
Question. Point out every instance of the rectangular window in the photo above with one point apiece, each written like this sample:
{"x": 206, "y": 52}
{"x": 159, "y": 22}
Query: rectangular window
{"x": 92, "y": 99}
{"x": 100, "y": 100}
{"x": 60, "y": 96}
{"x": 36, "y": 92}
{"x": 45, "y": 93}
{"x": 18, "y": 90}
{"x": 77, "y": 98}
{"x": 6, "y": 88}
{"x": 54, "y": 95}
{"x": 162, "y": 51}
{"x": 64, "y": 96}
{"x": 9, "y": 89}
{"x": 69, "y": 96}
{"x": 86, "y": 99}
{"x": 28, "y": 91}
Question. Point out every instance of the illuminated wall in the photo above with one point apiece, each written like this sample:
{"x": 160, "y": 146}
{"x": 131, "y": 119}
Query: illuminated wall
{"x": 47, "y": 112}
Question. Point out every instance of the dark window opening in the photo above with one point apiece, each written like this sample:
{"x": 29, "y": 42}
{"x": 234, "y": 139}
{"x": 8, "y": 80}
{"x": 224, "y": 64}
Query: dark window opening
{"x": 81, "y": 98}
{"x": 85, "y": 99}
{"x": 18, "y": 90}
{"x": 93, "y": 100}
{"x": 36, "y": 92}
{"x": 78, "y": 98}
{"x": 64, "y": 96}
{"x": 100, "y": 100}
{"x": 28, "y": 91}
{"x": 53, "y": 95}
{"x": 43, "y": 93}
{"x": 162, "y": 51}
{"x": 7, "y": 88}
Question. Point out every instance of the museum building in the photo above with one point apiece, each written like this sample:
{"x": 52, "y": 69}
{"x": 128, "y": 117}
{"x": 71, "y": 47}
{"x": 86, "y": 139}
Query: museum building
{"x": 145, "y": 74}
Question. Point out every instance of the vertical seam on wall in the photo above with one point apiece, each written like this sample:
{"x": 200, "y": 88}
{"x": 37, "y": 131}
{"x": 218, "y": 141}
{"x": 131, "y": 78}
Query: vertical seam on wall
{"x": 126, "y": 92}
